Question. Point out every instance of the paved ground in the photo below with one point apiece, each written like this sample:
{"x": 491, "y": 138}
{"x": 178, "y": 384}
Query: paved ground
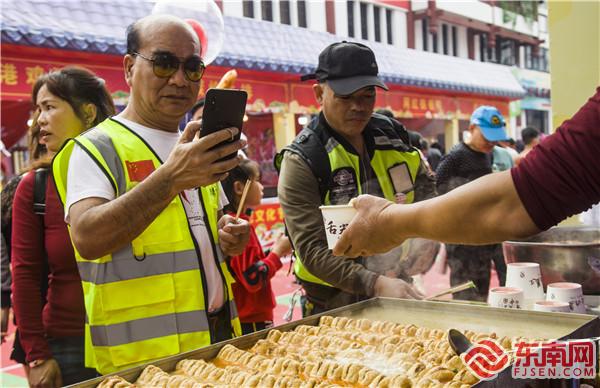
{"x": 12, "y": 375}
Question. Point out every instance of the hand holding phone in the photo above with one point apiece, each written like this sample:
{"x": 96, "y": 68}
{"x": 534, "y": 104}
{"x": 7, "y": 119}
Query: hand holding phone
{"x": 224, "y": 108}
{"x": 197, "y": 162}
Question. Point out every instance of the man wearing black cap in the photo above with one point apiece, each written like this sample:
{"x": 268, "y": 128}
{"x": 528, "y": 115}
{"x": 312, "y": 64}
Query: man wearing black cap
{"x": 346, "y": 151}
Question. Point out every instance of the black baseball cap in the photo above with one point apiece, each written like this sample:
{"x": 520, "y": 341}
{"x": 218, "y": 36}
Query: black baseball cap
{"x": 347, "y": 67}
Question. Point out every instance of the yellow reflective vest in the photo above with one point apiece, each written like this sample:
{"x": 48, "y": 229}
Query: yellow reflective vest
{"x": 339, "y": 173}
{"x": 147, "y": 300}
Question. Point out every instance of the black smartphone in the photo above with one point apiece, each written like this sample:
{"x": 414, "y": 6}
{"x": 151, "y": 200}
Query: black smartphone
{"x": 223, "y": 108}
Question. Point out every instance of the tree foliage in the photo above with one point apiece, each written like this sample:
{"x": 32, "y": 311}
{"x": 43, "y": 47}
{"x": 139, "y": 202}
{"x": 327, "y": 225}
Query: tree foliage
{"x": 527, "y": 9}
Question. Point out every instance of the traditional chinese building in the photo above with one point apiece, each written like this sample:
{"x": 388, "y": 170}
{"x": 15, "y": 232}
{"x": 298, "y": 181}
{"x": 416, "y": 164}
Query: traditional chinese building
{"x": 442, "y": 91}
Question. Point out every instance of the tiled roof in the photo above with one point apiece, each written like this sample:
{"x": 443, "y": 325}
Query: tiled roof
{"x": 99, "y": 26}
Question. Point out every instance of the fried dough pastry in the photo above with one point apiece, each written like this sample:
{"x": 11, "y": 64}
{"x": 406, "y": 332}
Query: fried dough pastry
{"x": 152, "y": 376}
{"x": 340, "y": 351}
{"x": 114, "y": 382}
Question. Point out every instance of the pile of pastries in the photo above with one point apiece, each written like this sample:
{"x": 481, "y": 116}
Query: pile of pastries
{"x": 339, "y": 351}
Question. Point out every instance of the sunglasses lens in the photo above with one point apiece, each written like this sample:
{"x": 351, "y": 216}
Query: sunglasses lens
{"x": 165, "y": 65}
{"x": 194, "y": 69}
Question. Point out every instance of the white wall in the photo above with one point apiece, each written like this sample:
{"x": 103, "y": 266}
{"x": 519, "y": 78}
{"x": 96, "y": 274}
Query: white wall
{"x": 383, "y": 25}
{"x": 440, "y": 46}
{"x": 473, "y": 9}
{"x": 276, "y": 16}
{"x": 521, "y": 57}
{"x": 481, "y": 11}
{"x": 418, "y": 5}
{"x": 257, "y": 10}
{"x": 429, "y": 41}
{"x": 520, "y": 25}
{"x": 418, "y": 35}
{"x": 476, "y": 48}
{"x": 357, "y": 25}
{"x": 461, "y": 36}
{"x": 399, "y": 28}
{"x": 341, "y": 18}
{"x": 371, "y": 23}
{"x": 543, "y": 23}
{"x": 463, "y": 44}
{"x": 316, "y": 15}
{"x": 294, "y": 13}
{"x": 233, "y": 8}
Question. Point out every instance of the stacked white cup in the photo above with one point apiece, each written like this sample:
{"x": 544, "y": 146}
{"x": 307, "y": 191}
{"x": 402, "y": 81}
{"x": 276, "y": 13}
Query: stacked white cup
{"x": 528, "y": 277}
{"x": 552, "y": 306}
{"x": 506, "y": 297}
{"x": 570, "y": 293}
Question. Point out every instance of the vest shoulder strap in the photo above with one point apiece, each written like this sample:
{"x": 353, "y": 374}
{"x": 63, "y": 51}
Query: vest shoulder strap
{"x": 311, "y": 149}
{"x": 39, "y": 191}
{"x": 390, "y": 127}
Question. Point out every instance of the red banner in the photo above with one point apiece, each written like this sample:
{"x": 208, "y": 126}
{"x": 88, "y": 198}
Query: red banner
{"x": 267, "y": 219}
{"x": 396, "y": 3}
{"x": 413, "y": 105}
{"x": 266, "y": 90}
{"x": 466, "y": 106}
{"x": 435, "y": 106}
{"x": 17, "y": 76}
{"x": 406, "y": 104}
{"x": 261, "y": 145}
{"x": 261, "y": 94}
{"x": 303, "y": 98}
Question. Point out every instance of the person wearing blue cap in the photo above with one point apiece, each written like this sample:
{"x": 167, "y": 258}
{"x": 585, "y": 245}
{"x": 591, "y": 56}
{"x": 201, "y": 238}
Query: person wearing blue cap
{"x": 467, "y": 161}
{"x": 490, "y": 122}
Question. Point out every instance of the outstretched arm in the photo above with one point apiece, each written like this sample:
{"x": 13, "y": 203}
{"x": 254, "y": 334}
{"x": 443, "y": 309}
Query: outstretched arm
{"x": 300, "y": 199}
{"x": 557, "y": 179}
{"x": 484, "y": 211}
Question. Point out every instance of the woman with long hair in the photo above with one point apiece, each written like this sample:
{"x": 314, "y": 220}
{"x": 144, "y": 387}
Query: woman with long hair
{"x": 68, "y": 102}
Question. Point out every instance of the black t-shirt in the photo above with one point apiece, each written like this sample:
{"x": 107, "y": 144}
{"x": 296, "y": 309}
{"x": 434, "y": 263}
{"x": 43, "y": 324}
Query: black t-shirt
{"x": 461, "y": 165}
{"x": 434, "y": 156}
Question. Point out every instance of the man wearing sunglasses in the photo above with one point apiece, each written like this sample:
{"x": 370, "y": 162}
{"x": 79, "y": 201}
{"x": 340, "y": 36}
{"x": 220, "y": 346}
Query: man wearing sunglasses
{"x": 144, "y": 207}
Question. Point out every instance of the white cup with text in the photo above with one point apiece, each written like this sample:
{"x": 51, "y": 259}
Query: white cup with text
{"x": 570, "y": 293}
{"x": 336, "y": 219}
{"x": 506, "y": 297}
{"x": 528, "y": 277}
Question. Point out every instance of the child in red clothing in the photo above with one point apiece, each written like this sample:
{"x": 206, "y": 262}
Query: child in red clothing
{"x": 252, "y": 269}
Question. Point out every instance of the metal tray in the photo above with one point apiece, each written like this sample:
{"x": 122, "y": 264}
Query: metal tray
{"x": 435, "y": 315}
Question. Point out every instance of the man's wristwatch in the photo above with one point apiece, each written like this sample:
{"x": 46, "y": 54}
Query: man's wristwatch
{"x": 35, "y": 363}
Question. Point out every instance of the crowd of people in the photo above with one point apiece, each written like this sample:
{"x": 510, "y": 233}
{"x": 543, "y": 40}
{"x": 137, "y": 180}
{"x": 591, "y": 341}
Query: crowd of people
{"x": 130, "y": 240}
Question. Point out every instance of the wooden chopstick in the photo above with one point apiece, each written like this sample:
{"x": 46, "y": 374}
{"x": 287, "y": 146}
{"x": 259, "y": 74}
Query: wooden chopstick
{"x": 452, "y": 290}
{"x": 243, "y": 199}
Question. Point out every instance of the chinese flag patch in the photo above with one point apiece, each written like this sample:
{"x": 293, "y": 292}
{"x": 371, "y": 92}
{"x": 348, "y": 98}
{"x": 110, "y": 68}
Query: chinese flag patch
{"x": 139, "y": 170}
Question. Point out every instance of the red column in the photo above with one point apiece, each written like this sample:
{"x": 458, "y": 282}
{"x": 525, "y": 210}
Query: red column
{"x": 471, "y": 42}
{"x": 410, "y": 26}
{"x": 330, "y": 16}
